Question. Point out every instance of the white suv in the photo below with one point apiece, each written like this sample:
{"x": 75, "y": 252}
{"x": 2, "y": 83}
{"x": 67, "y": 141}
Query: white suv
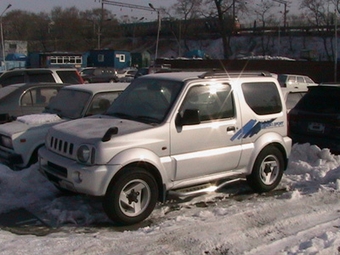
{"x": 172, "y": 133}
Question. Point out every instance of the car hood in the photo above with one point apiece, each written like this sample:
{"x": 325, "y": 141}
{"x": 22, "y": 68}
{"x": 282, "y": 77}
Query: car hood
{"x": 30, "y": 121}
{"x": 93, "y": 128}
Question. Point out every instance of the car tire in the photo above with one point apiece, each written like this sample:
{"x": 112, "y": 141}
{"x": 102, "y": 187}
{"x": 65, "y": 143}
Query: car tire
{"x": 131, "y": 197}
{"x": 267, "y": 171}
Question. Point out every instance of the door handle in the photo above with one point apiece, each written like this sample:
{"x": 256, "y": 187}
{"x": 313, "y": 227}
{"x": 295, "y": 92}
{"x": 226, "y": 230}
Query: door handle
{"x": 231, "y": 129}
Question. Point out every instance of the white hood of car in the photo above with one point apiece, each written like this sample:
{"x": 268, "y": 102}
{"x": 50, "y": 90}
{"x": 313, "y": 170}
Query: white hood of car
{"x": 26, "y": 122}
{"x": 91, "y": 128}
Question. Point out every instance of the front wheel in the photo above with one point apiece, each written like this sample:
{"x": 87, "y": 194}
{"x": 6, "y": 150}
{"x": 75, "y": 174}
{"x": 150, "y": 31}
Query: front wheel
{"x": 131, "y": 197}
{"x": 267, "y": 171}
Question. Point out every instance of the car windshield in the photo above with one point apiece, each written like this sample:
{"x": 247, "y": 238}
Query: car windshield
{"x": 87, "y": 71}
{"x": 146, "y": 100}
{"x": 69, "y": 103}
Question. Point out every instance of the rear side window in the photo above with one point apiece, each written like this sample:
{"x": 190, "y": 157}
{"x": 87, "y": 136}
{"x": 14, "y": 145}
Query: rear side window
{"x": 262, "y": 97}
{"x": 40, "y": 77}
{"x": 70, "y": 77}
{"x": 38, "y": 96}
{"x": 8, "y": 79}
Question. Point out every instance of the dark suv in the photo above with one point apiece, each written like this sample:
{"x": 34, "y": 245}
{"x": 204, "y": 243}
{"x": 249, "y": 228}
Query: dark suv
{"x": 316, "y": 118}
{"x": 99, "y": 74}
{"x": 35, "y": 75}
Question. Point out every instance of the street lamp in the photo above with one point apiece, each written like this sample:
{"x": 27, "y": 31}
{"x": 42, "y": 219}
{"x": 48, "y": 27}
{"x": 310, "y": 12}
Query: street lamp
{"x": 158, "y": 30}
{"x": 2, "y": 36}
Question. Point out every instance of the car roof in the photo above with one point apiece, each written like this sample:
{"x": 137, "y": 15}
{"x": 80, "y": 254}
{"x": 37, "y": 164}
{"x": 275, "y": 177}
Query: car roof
{"x": 98, "y": 87}
{"x": 40, "y": 68}
{"x": 187, "y": 75}
{"x": 34, "y": 84}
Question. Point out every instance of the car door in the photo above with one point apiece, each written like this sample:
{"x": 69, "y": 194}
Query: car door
{"x": 206, "y": 148}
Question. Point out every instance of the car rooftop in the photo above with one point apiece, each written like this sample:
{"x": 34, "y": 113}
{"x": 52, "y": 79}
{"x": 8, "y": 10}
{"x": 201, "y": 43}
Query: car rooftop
{"x": 96, "y": 87}
{"x": 182, "y": 76}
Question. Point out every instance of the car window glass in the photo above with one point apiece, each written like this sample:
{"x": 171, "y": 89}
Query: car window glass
{"x": 101, "y": 102}
{"x": 309, "y": 80}
{"x": 27, "y": 99}
{"x": 291, "y": 79}
{"x": 69, "y": 103}
{"x": 262, "y": 97}
{"x": 12, "y": 79}
{"x": 71, "y": 77}
{"x": 292, "y": 99}
{"x": 146, "y": 100}
{"x": 300, "y": 79}
{"x": 212, "y": 101}
{"x": 40, "y": 77}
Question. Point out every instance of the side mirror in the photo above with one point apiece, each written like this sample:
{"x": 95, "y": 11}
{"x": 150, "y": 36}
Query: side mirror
{"x": 190, "y": 117}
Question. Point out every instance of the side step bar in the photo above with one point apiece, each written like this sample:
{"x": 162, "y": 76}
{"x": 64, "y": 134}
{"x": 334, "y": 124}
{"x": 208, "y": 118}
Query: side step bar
{"x": 204, "y": 188}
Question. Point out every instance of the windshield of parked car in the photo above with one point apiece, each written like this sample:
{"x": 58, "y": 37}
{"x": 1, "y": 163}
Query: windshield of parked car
{"x": 146, "y": 100}
{"x": 68, "y": 103}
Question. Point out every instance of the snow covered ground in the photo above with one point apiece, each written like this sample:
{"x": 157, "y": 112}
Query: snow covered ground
{"x": 301, "y": 217}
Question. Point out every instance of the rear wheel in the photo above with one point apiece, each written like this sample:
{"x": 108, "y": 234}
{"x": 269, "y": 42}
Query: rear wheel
{"x": 267, "y": 171}
{"x": 131, "y": 197}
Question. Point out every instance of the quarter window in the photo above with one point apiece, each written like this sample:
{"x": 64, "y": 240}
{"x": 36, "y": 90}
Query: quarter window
{"x": 262, "y": 97}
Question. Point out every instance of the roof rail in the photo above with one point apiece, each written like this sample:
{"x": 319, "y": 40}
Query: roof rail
{"x": 212, "y": 74}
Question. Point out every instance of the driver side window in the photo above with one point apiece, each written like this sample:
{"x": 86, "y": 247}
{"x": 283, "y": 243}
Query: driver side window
{"x": 212, "y": 102}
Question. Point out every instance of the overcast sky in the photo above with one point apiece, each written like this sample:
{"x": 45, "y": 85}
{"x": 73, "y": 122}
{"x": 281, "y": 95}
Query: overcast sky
{"x": 47, "y": 6}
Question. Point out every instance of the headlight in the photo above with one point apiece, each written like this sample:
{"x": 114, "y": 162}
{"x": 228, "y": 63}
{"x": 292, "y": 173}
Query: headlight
{"x": 6, "y": 142}
{"x": 84, "y": 154}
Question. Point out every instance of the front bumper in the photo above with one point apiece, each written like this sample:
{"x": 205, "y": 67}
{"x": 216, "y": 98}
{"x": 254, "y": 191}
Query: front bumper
{"x": 10, "y": 159}
{"x": 70, "y": 175}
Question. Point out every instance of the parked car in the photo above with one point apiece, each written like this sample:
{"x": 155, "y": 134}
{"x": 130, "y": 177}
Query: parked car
{"x": 20, "y": 139}
{"x": 126, "y": 75}
{"x": 315, "y": 118}
{"x": 26, "y": 98}
{"x": 34, "y": 75}
{"x": 99, "y": 74}
{"x": 295, "y": 81}
{"x": 293, "y": 96}
{"x": 172, "y": 134}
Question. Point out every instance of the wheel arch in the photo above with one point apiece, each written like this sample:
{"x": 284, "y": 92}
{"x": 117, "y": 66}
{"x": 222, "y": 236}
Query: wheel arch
{"x": 275, "y": 141}
{"x": 148, "y": 167}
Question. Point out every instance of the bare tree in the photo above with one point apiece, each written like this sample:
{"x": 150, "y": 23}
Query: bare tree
{"x": 263, "y": 12}
{"x": 317, "y": 13}
{"x": 226, "y": 11}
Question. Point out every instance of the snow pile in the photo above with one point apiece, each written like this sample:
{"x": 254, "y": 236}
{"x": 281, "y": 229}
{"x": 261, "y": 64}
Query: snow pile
{"x": 40, "y": 118}
{"x": 301, "y": 217}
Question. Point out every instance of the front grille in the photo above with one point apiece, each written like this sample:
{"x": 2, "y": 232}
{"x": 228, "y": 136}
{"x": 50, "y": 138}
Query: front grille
{"x": 60, "y": 146}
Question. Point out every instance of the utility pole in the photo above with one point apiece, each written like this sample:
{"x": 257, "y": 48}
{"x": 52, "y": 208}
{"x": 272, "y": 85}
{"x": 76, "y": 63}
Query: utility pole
{"x": 2, "y": 36}
{"x": 285, "y": 11}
